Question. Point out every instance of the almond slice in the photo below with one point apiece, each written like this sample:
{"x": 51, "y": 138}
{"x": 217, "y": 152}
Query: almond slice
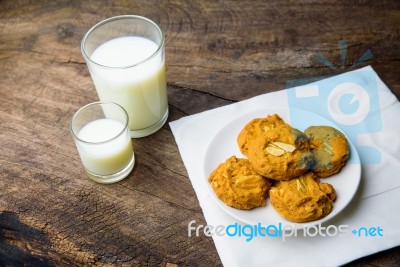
{"x": 275, "y": 151}
{"x": 302, "y": 185}
{"x": 287, "y": 147}
{"x": 328, "y": 148}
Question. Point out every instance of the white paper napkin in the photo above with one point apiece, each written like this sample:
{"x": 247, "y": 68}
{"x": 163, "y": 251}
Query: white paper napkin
{"x": 367, "y": 111}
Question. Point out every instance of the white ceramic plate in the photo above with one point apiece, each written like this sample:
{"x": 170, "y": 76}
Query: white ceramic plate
{"x": 224, "y": 145}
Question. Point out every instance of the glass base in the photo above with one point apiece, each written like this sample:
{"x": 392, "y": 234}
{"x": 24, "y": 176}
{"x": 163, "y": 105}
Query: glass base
{"x": 151, "y": 129}
{"x": 113, "y": 178}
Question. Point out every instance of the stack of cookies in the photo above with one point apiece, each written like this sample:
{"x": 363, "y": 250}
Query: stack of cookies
{"x": 285, "y": 164}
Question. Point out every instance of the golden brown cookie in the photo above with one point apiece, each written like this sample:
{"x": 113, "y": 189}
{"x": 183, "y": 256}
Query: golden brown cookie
{"x": 302, "y": 199}
{"x": 238, "y": 185}
{"x": 330, "y": 148}
{"x": 281, "y": 153}
{"x": 255, "y": 128}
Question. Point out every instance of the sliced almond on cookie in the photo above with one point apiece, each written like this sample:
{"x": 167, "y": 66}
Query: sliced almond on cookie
{"x": 287, "y": 147}
{"x": 327, "y": 147}
{"x": 279, "y": 148}
{"x": 302, "y": 185}
{"x": 276, "y": 151}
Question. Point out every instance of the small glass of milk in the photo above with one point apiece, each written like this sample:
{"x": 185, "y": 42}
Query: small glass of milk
{"x": 101, "y": 134}
{"x": 126, "y": 60}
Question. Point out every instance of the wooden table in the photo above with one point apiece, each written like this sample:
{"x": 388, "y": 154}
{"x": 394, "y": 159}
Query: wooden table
{"x": 218, "y": 52}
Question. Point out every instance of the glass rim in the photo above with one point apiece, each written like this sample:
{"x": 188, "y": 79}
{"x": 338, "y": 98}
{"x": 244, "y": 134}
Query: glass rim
{"x": 75, "y": 135}
{"x": 121, "y": 17}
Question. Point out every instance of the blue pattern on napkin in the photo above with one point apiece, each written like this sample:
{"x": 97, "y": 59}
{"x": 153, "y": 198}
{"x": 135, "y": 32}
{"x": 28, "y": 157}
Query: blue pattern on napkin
{"x": 349, "y": 100}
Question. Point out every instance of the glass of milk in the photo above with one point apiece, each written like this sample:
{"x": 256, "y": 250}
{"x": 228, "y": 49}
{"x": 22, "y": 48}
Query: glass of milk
{"x": 101, "y": 134}
{"x": 126, "y": 59}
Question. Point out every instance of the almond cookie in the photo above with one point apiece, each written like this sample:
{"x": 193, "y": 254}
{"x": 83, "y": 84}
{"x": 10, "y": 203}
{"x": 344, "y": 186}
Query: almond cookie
{"x": 330, "y": 148}
{"x": 255, "y": 128}
{"x": 281, "y": 153}
{"x": 238, "y": 185}
{"x": 302, "y": 199}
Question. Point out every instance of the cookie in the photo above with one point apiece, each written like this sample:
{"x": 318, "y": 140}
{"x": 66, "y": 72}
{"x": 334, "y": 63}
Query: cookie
{"x": 238, "y": 185}
{"x": 255, "y": 128}
{"x": 330, "y": 148}
{"x": 281, "y": 153}
{"x": 302, "y": 199}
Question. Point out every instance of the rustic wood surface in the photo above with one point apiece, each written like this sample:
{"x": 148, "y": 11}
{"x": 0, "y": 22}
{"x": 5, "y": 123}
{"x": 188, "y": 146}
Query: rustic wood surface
{"x": 218, "y": 52}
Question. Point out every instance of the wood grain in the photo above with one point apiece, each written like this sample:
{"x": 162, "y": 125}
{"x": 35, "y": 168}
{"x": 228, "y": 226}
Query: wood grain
{"x": 218, "y": 52}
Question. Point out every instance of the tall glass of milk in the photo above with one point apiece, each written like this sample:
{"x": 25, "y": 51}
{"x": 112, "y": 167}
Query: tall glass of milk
{"x": 126, "y": 59}
{"x": 101, "y": 134}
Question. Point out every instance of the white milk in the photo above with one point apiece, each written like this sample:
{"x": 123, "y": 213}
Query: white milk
{"x": 108, "y": 157}
{"x": 141, "y": 89}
